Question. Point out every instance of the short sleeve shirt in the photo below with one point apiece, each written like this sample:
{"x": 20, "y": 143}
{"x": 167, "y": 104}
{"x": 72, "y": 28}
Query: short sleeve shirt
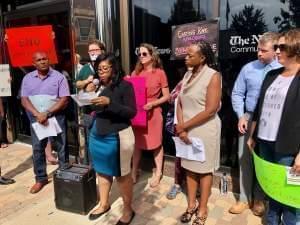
{"x": 272, "y": 108}
{"x": 44, "y": 92}
{"x": 85, "y": 72}
{"x": 155, "y": 81}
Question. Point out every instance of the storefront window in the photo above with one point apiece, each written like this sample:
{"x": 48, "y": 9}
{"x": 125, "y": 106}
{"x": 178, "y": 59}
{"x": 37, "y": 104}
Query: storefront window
{"x": 241, "y": 23}
{"x": 85, "y": 28}
{"x": 83, "y": 25}
{"x": 152, "y": 21}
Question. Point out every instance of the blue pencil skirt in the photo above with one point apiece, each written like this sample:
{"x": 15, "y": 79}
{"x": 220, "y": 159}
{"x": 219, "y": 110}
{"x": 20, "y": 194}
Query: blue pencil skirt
{"x": 111, "y": 154}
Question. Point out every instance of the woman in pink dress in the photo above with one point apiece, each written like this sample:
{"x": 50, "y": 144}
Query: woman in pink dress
{"x": 150, "y": 138}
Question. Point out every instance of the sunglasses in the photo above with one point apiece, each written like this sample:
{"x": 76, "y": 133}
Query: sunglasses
{"x": 282, "y": 47}
{"x": 144, "y": 54}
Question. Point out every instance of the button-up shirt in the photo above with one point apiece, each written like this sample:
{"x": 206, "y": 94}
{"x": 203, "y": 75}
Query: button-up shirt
{"x": 247, "y": 85}
{"x": 43, "y": 93}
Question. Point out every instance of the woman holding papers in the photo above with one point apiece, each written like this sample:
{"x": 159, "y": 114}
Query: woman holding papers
{"x": 278, "y": 120}
{"x": 198, "y": 103}
{"x": 150, "y": 138}
{"x": 111, "y": 139}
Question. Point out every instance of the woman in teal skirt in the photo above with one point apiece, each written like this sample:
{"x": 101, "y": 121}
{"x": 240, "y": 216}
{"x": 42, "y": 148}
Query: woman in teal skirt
{"x": 111, "y": 139}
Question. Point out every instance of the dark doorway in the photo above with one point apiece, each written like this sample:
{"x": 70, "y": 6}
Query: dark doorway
{"x": 56, "y": 14}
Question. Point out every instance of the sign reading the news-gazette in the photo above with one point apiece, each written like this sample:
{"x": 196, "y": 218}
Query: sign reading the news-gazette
{"x": 186, "y": 34}
{"x": 5, "y": 89}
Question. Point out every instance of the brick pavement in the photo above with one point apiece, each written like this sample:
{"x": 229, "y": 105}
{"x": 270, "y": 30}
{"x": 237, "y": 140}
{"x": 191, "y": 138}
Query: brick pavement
{"x": 18, "y": 207}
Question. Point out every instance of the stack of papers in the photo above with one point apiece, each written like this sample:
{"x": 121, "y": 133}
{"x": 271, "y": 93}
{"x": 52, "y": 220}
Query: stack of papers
{"x": 194, "y": 151}
{"x": 52, "y": 129}
{"x": 292, "y": 178}
{"x": 84, "y": 98}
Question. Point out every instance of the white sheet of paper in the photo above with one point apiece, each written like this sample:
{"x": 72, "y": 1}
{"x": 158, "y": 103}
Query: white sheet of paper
{"x": 56, "y": 125}
{"x": 52, "y": 129}
{"x": 43, "y": 102}
{"x": 175, "y": 111}
{"x": 291, "y": 177}
{"x": 5, "y": 84}
{"x": 194, "y": 151}
{"x": 84, "y": 98}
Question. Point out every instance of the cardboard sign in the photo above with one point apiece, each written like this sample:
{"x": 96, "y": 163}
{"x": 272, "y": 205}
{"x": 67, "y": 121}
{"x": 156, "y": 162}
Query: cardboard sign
{"x": 23, "y": 42}
{"x": 5, "y": 83}
{"x": 139, "y": 86}
{"x": 273, "y": 180}
{"x": 186, "y": 34}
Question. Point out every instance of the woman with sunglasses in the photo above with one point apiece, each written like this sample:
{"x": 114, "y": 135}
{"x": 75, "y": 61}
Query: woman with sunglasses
{"x": 150, "y": 138}
{"x": 278, "y": 119}
{"x": 111, "y": 139}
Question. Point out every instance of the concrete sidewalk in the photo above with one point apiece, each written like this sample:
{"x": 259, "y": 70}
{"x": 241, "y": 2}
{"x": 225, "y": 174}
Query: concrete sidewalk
{"x": 19, "y": 207}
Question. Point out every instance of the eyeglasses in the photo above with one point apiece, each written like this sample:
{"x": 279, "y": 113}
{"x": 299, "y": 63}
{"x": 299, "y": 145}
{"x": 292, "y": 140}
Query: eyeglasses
{"x": 144, "y": 54}
{"x": 95, "y": 50}
{"x": 104, "y": 69}
{"x": 282, "y": 47}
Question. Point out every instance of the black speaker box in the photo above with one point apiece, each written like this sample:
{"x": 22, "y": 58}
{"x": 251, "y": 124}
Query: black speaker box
{"x": 75, "y": 189}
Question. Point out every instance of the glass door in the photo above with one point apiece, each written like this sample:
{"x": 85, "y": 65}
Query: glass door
{"x": 152, "y": 21}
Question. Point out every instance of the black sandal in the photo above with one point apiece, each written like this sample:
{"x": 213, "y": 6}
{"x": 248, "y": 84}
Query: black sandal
{"x": 199, "y": 220}
{"x": 188, "y": 214}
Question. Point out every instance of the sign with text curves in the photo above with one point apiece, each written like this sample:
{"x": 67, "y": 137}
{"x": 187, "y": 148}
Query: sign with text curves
{"x": 22, "y": 42}
{"x": 186, "y": 34}
{"x": 273, "y": 180}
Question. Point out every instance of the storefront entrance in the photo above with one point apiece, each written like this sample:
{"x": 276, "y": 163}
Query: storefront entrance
{"x": 58, "y": 15}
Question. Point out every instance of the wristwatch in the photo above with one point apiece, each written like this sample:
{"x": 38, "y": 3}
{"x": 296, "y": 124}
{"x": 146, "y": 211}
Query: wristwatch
{"x": 49, "y": 114}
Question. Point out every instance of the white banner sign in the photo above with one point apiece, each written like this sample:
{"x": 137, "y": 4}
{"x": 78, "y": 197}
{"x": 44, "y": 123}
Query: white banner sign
{"x": 5, "y": 82}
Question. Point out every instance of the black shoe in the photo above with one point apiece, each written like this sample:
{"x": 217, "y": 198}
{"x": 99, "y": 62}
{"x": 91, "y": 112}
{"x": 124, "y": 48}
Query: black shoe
{"x": 126, "y": 223}
{"x": 6, "y": 181}
{"x": 96, "y": 216}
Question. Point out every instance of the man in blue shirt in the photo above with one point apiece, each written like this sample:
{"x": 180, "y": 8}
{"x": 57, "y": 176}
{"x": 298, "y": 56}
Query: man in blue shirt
{"x": 244, "y": 98}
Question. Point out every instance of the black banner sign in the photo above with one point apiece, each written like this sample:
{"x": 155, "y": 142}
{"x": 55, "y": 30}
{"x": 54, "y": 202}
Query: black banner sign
{"x": 186, "y": 34}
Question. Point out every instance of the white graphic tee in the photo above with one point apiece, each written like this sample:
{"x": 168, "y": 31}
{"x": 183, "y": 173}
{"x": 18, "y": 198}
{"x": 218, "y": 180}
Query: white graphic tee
{"x": 272, "y": 108}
